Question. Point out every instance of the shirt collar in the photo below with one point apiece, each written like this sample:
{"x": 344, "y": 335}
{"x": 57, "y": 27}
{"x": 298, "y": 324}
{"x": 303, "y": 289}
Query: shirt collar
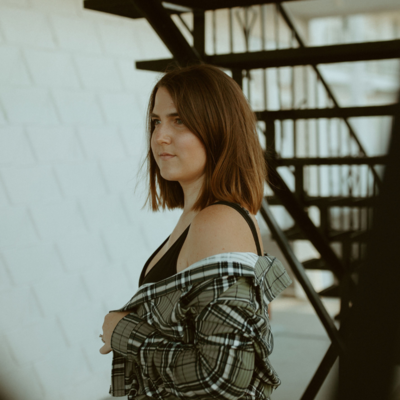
{"x": 238, "y": 264}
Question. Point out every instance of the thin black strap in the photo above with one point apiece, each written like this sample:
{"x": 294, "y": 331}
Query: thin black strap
{"x": 246, "y": 216}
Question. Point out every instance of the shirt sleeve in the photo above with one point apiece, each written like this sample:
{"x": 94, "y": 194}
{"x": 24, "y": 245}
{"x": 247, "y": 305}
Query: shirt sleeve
{"x": 219, "y": 363}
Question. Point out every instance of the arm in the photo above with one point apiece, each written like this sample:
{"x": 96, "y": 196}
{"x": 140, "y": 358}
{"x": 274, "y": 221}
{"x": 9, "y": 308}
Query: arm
{"x": 219, "y": 363}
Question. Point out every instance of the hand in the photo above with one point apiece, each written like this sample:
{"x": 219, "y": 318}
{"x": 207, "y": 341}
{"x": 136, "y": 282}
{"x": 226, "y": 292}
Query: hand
{"x": 110, "y": 322}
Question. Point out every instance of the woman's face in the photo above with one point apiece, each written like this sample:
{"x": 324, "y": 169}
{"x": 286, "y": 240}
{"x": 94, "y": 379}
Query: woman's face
{"x": 171, "y": 136}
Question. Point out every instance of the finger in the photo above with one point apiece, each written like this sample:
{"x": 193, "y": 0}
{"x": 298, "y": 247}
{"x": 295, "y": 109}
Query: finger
{"x": 105, "y": 349}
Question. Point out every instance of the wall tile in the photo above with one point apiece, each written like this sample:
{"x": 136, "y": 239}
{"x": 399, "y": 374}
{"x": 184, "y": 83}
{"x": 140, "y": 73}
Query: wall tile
{"x": 32, "y": 264}
{"x": 55, "y": 144}
{"x": 108, "y": 284}
{"x": 12, "y": 67}
{"x": 18, "y": 308}
{"x": 121, "y": 109}
{"x": 64, "y": 293}
{"x": 26, "y": 27}
{"x": 51, "y": 69}
{"x": 32, "y": 106}
{"x": 98, "y": 73}
{"x": 125, "y": 242}
{"x": 81, "y": 252}
{"x": 67, "y": 7}
{"x": 101, "y": 212}
{"x": 5, "y": 280}
{"x": 94, "y": 388}
{"x": 14, "y": 148}
{"x": 83, "y": 326}
{"x": 98, "y": 365}
{"x": 120, "y": 175}
{"x": 134, "y": 138}
{"x": 30, "y": 185}
{"x": 120, "y": 38}
{"x": 76, "y": 34}
{"x": 16, "y": 227}
{"x": 58, "y": 219}
{"x": 102, "y": 143}
{"x": 81, "y": 179}
{"x": 8, "y": 362}
{"x": 33, "y": 342}
{"x": 78, "y": 108}
{"x": 136, "y": 81}
{"x": 74, "y": 371}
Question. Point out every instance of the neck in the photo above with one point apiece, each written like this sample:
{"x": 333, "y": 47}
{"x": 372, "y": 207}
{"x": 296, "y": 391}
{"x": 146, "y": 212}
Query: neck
{"x": 191, "y": 192}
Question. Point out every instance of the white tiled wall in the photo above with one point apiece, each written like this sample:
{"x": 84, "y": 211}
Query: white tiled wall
{"x": 73, "y": 237}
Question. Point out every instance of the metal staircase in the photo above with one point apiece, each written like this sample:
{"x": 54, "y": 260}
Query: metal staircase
{"x": 306, "y": 133}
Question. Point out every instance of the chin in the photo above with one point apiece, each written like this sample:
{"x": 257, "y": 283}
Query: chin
{"x": 169, "y": 177}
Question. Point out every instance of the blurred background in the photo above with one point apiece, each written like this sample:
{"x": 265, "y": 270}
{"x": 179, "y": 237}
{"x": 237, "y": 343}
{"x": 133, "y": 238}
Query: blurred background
{"x": 75, "y": 78}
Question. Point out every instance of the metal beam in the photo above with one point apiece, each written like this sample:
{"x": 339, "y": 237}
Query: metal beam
{"x": 126, "y": 8}
{"x": 382, "y": 50}
{"x": 320, "y": 375}
{"x": 122, "y": 8}
{"x": 302, "y": 277}
{"x": 331, "y": 201}
{"x": 218, "y": 4}
{"x": 334, "y": 112}
{"x": 303, "y": 221}
{"x": 378, "y": 160}
{"x": 168, "y": 32}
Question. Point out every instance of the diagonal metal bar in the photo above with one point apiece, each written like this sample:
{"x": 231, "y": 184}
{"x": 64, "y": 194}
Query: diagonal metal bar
{"x": 320, "y": 375}
{"x": 302, "y": 277}
{"x": 300, "y": 41}
{"x": 303, "y": 221}
{"x": 168, "y": 32}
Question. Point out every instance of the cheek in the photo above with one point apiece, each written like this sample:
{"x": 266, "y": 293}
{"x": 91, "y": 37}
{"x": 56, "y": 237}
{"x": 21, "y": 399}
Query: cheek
{"x": 193, "y": 146}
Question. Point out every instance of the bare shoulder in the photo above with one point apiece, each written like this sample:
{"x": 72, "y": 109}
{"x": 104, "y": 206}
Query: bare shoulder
{"x": 219, "y": 229}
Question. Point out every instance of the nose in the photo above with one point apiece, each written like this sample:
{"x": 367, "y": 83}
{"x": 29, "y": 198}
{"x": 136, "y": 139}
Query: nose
{"x": 162, "y": 134}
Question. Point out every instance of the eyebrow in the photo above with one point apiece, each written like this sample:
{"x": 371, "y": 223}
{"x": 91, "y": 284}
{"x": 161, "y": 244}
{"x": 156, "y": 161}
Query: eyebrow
{"x": 168, "y": 115}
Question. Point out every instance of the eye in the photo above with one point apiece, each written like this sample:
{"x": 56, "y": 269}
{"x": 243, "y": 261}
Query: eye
{"x": 178, "y": 119}
{"x": 154, "y": 121}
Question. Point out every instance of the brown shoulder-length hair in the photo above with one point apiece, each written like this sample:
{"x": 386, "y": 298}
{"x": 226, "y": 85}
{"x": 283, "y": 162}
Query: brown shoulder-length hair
{"x": 212, "y": 106}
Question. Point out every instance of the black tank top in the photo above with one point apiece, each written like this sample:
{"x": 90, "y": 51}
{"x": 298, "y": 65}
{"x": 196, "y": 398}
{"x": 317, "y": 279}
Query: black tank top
{"x": 166, "y": 265}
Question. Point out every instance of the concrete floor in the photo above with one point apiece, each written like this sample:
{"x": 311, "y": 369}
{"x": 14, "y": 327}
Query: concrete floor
{"x": 300, "y": 342}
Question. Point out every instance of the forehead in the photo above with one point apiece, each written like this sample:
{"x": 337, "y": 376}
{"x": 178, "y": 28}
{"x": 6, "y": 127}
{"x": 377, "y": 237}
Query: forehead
{"x": 163, "y": 101}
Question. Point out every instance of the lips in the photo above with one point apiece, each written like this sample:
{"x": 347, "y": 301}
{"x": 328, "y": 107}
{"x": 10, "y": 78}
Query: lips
{"x": 166, "y": 156}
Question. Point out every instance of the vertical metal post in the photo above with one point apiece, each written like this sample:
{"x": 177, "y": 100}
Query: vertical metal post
{"x": 270, "y": 136}
{"x": 299, "y": 181}
{"x": 199, "y": 27}
{"x": 237, "y": 76}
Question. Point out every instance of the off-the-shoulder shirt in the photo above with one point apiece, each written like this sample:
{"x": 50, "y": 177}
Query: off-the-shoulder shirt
{"x": 202, "y": 333}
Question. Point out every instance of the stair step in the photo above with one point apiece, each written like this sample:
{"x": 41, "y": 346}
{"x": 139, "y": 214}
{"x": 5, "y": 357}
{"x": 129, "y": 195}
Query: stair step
{"x": 294, "y": 233}
{"x": 336, "y": 112}
{"x": 218, "y": 4}
{"x": 332, "y": 201}
{"x": 126, "y": 8}
{"x": 331, "y": 291}
{"x": 382, "y": 50}
{"x": 303, "y": 161}
{"x": 315, "y": 263}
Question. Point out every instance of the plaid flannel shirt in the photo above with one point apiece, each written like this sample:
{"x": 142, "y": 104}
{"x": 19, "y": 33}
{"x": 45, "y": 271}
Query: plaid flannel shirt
{"x": 201, "y": 333}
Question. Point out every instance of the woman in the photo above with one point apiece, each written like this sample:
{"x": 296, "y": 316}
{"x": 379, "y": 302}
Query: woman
{"x": 198, "y": 325}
